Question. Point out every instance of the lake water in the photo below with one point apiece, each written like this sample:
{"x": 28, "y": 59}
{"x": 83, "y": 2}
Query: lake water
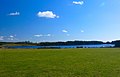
{"x": 67, "y": 46}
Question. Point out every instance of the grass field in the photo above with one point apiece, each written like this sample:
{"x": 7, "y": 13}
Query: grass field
{"x": 60, "y": 62}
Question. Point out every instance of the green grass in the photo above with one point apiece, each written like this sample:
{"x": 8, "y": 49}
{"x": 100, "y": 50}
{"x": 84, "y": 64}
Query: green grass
{"x": 60, "y": 62}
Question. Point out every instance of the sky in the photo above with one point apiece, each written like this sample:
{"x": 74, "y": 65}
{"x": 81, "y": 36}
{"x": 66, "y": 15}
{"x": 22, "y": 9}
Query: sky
{"x": 59, "y": 20}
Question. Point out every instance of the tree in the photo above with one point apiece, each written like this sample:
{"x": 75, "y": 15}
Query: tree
{"x": 117, "y": 43}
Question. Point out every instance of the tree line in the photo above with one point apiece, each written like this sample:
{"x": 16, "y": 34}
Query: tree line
{"x": 117, "y": 43}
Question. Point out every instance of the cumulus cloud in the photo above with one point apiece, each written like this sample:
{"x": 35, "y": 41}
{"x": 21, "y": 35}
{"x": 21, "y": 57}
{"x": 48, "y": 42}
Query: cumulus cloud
{"x": 65, "y": 31}
{"x": 48, "y": 35}
{"x": 102, "y": 4}
{"x": 40, "y": 35}
{"x": 8, "y": 38}
{"x": 11, "y": 36}
{"x": 78, "y": 2}
{"x": 1, "y": 37}
{"x": 14, "y": 14}
{"x": 47, "y": 14}
{"x": 68, "y": 34}
{"x": 82, "y": 31}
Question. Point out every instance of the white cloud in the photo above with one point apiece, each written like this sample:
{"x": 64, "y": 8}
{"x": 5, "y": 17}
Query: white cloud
{"x": 48, "y": 35}
{"x": 47, "y": 14}
{"x": 38, "y": 35}
{"x": 78, "y": 2}
{"x": 1, "y": 37}
{"x": 82, "y": 31}
{"x": 68, "y": 34}
{"x": 65, "y": 31}
{"x": 102, "y": 4}
{"x": 14, "y": 14}
{"x": 8, "y": 38}
{"x": 11, "y": 36}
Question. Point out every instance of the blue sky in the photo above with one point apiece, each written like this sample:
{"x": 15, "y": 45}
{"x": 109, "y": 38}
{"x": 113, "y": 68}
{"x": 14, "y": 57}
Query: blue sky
{"x": 59, "y": 20}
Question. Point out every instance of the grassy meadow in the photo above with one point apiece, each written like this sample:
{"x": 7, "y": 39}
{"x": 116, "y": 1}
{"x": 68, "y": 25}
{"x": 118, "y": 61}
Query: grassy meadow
{"x": 104, "y": 62}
